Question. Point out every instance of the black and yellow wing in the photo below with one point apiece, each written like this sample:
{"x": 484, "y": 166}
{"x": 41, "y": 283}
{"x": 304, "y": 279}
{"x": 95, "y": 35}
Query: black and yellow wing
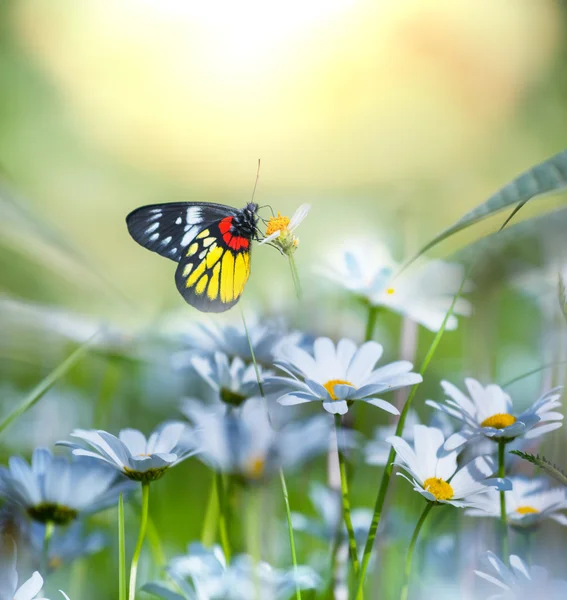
{"x": 211, "y": 243}
{"x": 212, "y": 273}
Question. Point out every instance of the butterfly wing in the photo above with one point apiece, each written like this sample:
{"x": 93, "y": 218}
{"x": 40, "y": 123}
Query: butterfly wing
{"x": 214, "y": 269}
{"x": 169, "y": 228}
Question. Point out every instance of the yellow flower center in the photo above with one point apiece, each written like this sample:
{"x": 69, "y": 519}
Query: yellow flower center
{"x": 330, "y": 386}
{"x": 278, "y": 223}
{"x": 390, "y": 291}
{"x": 255, "y": 468}
{"x": 439, "y": 488}
{"x": 499, "y": 421}
{"x": 526, "y": 510}
{"x": 56, "y": 563}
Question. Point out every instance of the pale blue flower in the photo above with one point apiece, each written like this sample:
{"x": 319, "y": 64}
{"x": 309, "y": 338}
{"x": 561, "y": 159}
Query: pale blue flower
{"x": 243, "y": 442}
{"x": 203, "y": 574}
{"x": 487, "y": 412}
{"x": 266, "y": 335}
{"x": 133, "y": 455}
{"x": 528, "y": 503}
{"x": 338, "y": 375}
{"x": 423, "y": 292}
{"x": 328, "y": 505}
{"x": 233, "y": 381}
{"x": 520, "y": 581}
{"x": 58, "y": 489}
{"x": 9, "y": 589}
{"x": 66, "y": 544}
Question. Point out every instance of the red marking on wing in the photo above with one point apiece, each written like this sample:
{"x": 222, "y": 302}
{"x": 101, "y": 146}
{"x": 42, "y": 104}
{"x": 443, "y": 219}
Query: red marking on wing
{"x": 235, "y": 242}
{"x": 225, "y": 225}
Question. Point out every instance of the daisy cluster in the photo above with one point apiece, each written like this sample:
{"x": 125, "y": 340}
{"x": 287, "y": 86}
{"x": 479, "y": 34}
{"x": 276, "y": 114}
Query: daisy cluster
{"x": 265, "y": 405}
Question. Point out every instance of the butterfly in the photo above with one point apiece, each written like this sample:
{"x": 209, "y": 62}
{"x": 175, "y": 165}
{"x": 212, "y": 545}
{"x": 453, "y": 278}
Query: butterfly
{"x": 211, "y": 243}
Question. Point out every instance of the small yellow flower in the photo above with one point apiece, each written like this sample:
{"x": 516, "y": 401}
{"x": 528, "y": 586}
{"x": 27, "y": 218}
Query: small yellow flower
{"x": 280, "y": 230}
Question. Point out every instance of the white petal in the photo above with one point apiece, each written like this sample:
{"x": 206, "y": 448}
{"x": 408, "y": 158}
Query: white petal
{"x": 30, "y": 588}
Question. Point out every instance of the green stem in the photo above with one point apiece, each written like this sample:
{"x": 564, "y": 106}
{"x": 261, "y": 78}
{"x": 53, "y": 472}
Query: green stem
{"x": 409, "y": 556}
{"x": 223, "y": 524}
{"x": 295, "y": 276}
{"x": 371, "y": 322}
{"x": 253, "y": 355}
{"x": 208, "y": 534}
{"x": 121, "y": 551}
{"x": 253, "y": 538}
{"x": 141, "y": 537}
{"x": 503, "y": 514}
{"x": 290, "y": 531}
{"x": 386, "y": 476}
{"x": 346, "y": 501}
{"x": 282, "y": 476}
{"x": 49, "y": 529}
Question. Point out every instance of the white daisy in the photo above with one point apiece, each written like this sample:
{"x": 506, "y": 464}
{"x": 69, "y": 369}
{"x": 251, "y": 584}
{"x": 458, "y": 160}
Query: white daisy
{"x": 133, "y": 455}
{"x": 243, "y": 442}
{"x": 434, "y": 474}
{"x": 424, "y": 292}
{"x": 528, "y": 503}
{"x": 203, "y": 574}
{"x": 281, "y": 230}
{"x": 329, "y": 521}
{"x": 377, "y": 449}
{"x": 232, "y": 381}
{"x": 520, "y": 582}
{"x": 266, "y": 335}
{"x": 338, "y": 375}
{"x": 487, "y": 412}
{"x": 9, "y": 589}
{"x": 58, "y": 490}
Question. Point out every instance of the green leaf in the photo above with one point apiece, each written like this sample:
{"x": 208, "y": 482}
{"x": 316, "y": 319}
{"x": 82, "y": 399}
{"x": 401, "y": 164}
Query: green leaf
{"x": 548, "y": 176}
{"x": 562, "y": 295}
{"x": 44, "y": 386}
{"x": 542, "y": 462}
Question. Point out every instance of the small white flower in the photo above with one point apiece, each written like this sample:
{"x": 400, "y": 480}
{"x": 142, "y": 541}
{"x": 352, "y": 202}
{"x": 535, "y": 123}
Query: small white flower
{"x": 487, "y": 412}
{"x": 133, "y": 455}
{"x": 327, "y": 503}
{"x": 203, "y": 574}
{"x": 281, "y": 230}
{"x": 434, "y": 474}
{"x": 520, "y": 582}
{"x": 9, "y": 589}
{"x": 243, "y": 442}
{"x": 528, "y": 503}
{"x": 337, "y": 375}
{"x": 58, "y": 490}
{"x": 377, "y": 449}
{"x": 233, "y": 381}
{"x": 424, "y": 292}
{"x": 266, "y": 335}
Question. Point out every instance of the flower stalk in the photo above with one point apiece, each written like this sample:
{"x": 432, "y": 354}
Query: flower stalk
{"x": 409, "y": 556}
{"x": 346, "y": 500}
{"x": 141, "y": 538}
{"x": 223, "y": 520}
{"x": 503, "y": 515}
{"x": 121, "y": 550}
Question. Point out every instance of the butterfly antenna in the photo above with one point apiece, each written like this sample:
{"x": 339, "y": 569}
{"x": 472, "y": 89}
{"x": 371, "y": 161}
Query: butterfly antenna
{"x": 256, "y": 182}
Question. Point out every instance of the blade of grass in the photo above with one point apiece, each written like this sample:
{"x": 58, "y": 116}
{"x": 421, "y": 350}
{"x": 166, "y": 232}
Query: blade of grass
{"x": 547, "y": 176}
{"x": 45, "y": 385}
{"x": 121, "y": 551}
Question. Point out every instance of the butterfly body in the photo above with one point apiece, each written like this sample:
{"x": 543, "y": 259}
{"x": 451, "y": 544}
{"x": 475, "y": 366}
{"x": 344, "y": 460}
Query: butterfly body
{"x": 211, "y": 243}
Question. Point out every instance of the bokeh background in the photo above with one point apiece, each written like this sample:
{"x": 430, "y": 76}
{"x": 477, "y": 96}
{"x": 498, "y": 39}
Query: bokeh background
{"x": 392, "y": 118}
